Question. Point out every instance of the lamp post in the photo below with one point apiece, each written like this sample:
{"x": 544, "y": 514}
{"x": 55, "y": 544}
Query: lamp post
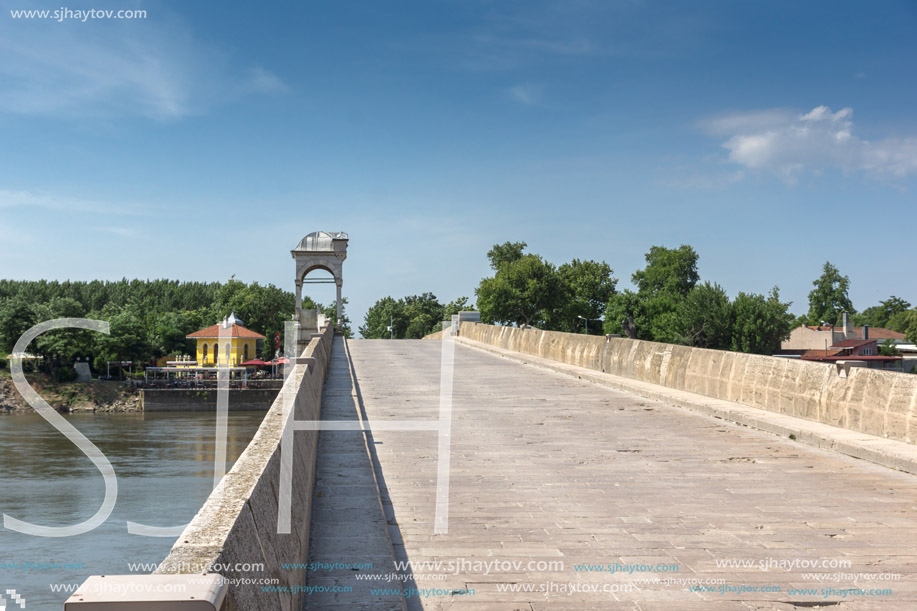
{"x": 586, "y": 323}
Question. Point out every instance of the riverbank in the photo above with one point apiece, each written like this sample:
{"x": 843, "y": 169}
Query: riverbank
{"x": 80, "y": 397}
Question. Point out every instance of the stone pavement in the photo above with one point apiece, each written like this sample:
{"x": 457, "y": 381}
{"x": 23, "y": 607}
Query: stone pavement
{"x": 348, "y": 533}
{"x": 548, "y": 469}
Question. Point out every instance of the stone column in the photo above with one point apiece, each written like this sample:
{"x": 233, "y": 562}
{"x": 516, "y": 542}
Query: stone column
{"x": 298, "y": 298}
{"x": 339, "y": 282}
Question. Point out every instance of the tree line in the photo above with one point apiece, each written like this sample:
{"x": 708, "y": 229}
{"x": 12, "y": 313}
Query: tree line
{"x": 409, "y": 317}
{"x": 670, "y": 303}
{"x": 148, "y": 318}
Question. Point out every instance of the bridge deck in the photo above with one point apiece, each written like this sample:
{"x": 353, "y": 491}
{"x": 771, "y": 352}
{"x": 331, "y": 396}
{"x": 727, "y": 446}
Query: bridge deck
{"x": 545, "y": 467}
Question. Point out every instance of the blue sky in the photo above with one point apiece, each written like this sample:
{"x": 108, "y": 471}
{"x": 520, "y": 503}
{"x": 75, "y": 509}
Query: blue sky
{"x": 206, "y": 139}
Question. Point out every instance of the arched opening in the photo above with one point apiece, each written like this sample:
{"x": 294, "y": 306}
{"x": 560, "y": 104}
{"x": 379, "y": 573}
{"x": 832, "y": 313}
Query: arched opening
{"x": 204, "y": 354}
{"x": 245, "y": 351}
{"x": 318, "y": 282}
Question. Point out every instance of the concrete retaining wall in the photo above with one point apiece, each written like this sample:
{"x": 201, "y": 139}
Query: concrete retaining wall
{"x": 237, "y": 526}
{"x": 870, "y": 401}
{"x": 186, "y": 400}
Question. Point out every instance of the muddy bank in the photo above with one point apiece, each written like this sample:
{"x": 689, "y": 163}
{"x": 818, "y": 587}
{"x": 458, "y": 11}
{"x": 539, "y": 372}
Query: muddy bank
{"x": 71, "y": 397}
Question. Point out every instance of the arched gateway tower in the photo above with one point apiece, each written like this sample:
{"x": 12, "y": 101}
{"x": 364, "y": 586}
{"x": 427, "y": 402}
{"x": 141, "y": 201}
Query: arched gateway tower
{"x": 320, "y": 250}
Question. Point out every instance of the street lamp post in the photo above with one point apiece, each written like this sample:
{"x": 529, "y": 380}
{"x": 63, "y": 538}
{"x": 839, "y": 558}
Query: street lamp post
{"x": 585, "y": 324}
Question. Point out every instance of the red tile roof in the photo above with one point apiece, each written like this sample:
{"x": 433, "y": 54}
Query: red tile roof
{"x": 873, "y": 357}
{"x": 215, "y": 331}
{"x": 874, "y": 332}
{"x": 819, "y": 354}
{"x": 854, "y": 343}
{"x": 879, "y": 333}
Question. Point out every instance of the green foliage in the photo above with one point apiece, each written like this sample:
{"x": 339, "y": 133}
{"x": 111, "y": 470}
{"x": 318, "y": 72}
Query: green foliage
{"x": 705, "y": 317}
{"x": 670, "y": 307}
{"x": 760, "y": 323}
{"x": 330, "y": 312}
{"x": 910, "y": 324}
{"x": 523, "y": 291}
{"x": 455, "y": 306}
{"x": 888, "y": 348}
{"x": 670, "y": 271}
{"x": 829, "y": 299}
{"x": 662, "y": 286}
{"x": 587, "y": 287}
{"x": 263, "y": 309}
{"x": 149, "y": 318}
{"x": 888, "y": 314}
{"x": 64, "y": 374}
{"x": 3, "y": 363}
{"x": 501, "y": 254}
{"x": 410, "y": 317}
{"x": 17, "y": 315}
{"x": 624, "y": 305}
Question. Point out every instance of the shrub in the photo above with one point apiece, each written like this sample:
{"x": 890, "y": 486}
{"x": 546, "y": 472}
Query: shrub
{"x": 65, "y": 374}
{"x": 2, "y": 363}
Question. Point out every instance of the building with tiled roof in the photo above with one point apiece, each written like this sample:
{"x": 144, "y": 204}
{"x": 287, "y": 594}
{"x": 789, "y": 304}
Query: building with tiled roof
{"x": 226, "y": 343}
{"x": 809, "y": 337}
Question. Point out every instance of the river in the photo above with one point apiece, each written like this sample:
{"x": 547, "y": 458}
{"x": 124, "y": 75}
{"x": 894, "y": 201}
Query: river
{"x": 164, "y": 465}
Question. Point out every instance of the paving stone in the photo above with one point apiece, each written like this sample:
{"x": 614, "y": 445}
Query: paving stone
{"x": 548, "y": 467}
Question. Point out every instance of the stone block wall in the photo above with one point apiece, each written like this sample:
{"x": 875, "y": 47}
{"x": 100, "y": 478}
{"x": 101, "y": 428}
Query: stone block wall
{"x": 236, "y": 529}
{"x": 870, "y": 401}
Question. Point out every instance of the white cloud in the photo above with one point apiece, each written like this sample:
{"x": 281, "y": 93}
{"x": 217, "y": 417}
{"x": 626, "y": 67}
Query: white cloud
{"x": 792, "y": 144}
{"x": 263, "y": 81}
{"x": 526, "y": 94}
{"x": 152, "y": 67}
{"x": 28, "y": 199}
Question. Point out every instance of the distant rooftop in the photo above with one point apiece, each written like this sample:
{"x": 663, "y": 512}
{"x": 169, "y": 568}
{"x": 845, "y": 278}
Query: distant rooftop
{"x": 320, "y": 241}
{"x": 853, "y": 343}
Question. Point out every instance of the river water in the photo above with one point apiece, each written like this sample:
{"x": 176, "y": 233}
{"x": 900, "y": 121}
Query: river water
{"x": 164, "y": 465}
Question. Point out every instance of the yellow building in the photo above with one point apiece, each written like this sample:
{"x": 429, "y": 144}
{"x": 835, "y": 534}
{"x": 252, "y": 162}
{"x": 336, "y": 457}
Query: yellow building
{"x": 226, "y": 343}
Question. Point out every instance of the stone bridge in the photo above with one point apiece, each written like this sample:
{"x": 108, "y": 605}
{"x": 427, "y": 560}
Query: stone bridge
{"x": 581, "y": 473}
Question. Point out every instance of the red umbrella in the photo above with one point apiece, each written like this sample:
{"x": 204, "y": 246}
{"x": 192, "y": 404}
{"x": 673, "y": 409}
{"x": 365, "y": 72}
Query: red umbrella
{"x": 254, "y": 363}
{"x": 282, "y": 361}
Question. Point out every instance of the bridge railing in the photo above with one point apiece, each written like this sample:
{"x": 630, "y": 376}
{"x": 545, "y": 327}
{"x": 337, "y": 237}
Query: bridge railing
{"x": 235, "y": 555}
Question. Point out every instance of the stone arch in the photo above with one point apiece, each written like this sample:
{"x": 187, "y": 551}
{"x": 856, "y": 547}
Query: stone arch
{"x": 320, "y": 250}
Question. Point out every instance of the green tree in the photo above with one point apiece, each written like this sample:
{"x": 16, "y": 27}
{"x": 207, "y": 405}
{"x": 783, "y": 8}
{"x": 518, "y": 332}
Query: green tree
{"x": 910, "y": 324}
{"x": 829, "y": 299}
{"x": 17, "y": 315}
{"x": 671, "y": 271}
{"x": 424, "y": 313}
{"x": 60, "y": 347}
{"x": 385, "y": 312}
{"x": 588, "y": 286}
{"x": 411, "y": 317}
{"x": 521, "y": 292}
{"x": 507, "y": 252}
{"x": 454, "y": 307}
{"x": 623, "y": 307}
{"x": 668, "y": 277}
{"x": 760, "y": 323}
{"x": 705, "y": 317}
{"x": 888, "y": 348}
{"x": 126, "y": 342}
{"x": 330, "y": 312}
